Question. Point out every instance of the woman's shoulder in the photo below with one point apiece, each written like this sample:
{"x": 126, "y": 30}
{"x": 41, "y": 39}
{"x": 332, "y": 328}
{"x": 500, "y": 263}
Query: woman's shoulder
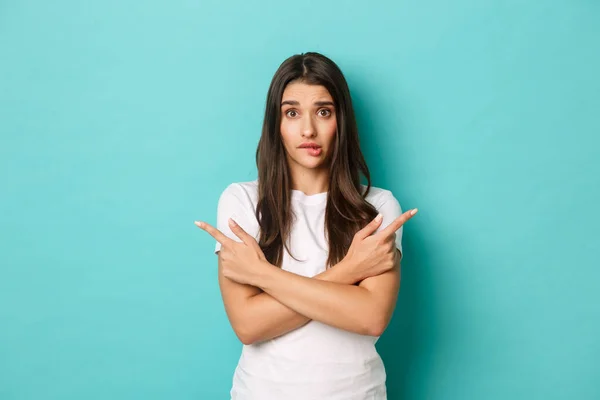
{"x": 248, "y": 187}
{"x": 378, "y": 195}
{"x": 245, "y": 192}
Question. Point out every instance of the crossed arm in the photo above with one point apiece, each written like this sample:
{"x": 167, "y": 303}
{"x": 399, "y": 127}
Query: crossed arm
{"x": 280, "y": 301}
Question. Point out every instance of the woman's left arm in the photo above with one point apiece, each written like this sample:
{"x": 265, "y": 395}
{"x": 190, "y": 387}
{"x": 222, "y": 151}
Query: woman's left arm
{"x": 365, "y": 309}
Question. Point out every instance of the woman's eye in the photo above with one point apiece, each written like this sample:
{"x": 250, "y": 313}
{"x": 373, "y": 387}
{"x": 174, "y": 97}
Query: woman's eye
{"x": 326, "y": 114}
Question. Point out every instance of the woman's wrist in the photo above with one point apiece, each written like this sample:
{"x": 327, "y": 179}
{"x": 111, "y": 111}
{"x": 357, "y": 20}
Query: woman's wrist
{"x": 342, "y": 272}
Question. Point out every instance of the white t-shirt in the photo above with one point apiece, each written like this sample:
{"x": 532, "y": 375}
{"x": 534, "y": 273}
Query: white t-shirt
{"x": 316, "y": 361}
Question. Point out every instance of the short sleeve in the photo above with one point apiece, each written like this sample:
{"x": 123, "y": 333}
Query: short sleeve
{"x": 390, "y": 208}
{"x": 235, "y": 203}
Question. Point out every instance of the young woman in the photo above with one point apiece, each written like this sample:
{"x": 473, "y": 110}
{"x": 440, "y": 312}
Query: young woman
{"x": 309, "y": 258}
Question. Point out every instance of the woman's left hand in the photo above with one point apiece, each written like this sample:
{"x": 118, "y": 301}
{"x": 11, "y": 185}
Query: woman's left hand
{"x": 240, "y": 262}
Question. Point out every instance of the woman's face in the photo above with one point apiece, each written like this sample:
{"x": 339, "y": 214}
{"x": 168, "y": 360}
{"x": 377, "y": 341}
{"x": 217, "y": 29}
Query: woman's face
{"x": 307, "y": 115}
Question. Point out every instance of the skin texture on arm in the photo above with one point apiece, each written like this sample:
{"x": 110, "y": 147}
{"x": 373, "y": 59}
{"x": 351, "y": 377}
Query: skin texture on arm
{"x": 385, "y": 289}
{"x": 256, "y": 316}
{"x": 365, "y": 309}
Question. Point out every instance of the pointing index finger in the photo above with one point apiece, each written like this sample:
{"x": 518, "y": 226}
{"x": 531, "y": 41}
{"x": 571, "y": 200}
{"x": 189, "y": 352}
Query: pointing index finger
{"x": 215, "y": 233}
{"x": 396, "y": 224}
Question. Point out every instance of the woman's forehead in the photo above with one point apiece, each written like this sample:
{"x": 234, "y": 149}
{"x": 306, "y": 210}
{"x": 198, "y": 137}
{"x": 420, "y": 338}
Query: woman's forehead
{"x": 306, "y": 90}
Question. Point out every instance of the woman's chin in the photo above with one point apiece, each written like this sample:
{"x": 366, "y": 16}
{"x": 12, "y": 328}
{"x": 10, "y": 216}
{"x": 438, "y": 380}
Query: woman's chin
{"x": 311, "y": 162}
{"x": 314, "y": 165}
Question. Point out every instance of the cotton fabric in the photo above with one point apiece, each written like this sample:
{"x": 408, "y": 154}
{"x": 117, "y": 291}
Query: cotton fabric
{"x": 316, "y": 361}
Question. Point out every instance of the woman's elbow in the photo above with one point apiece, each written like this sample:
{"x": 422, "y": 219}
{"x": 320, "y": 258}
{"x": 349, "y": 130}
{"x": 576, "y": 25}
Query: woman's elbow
{"x": 244, "y": 335}
{"x": 376, "y": 326}
{"x": 247, "y": 340}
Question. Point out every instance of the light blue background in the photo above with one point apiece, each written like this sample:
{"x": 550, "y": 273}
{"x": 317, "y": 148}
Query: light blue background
{"x": 122, "y": 122}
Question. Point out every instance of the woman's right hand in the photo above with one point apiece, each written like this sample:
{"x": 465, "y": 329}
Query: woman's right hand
{"x": 373, "y": 254}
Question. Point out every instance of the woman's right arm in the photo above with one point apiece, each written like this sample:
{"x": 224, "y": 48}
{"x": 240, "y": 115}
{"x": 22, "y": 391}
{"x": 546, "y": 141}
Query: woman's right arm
{"x": 257, "y": 316}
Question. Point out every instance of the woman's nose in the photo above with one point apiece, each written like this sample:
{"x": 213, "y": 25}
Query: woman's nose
{"x": 308, "y": 129}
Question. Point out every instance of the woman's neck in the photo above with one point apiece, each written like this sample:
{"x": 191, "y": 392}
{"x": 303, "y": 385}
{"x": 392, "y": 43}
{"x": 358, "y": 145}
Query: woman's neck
{"x": 310, "y": 182}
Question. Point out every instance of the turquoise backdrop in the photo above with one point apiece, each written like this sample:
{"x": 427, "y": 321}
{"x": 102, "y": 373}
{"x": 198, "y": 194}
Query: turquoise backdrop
{"x": 121, "y": 123}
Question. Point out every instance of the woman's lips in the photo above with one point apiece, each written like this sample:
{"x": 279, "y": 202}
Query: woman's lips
{"x": 313, "y": 151}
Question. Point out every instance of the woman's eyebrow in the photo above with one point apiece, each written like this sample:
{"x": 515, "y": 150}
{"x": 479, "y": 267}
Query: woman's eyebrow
{"x": 316, "y": 103}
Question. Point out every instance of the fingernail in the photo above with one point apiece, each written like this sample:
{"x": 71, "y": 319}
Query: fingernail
{"x": 200, "y": 224}
{"x": 414, "y": 211}
{"x": 232, "y": 222}
{"x": 378, "y": 217}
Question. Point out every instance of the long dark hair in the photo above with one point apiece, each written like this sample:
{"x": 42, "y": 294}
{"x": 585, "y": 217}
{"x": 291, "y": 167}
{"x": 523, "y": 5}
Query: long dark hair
{"x": 346, "y": 211}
